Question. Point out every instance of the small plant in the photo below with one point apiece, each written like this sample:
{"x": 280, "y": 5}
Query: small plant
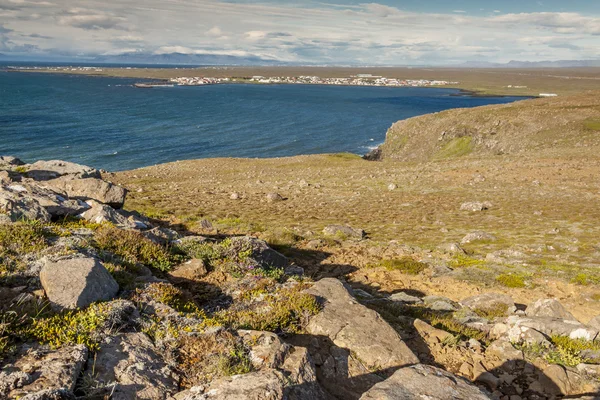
{"x": 169, "y": 295}
{"x": 494, "y": 311}
{"x": 132, "y": 248}
{"x": 512, "y": 280}
{"x": 17, "y": 240}
{"x": 405, "y": 265}
{"x": 464, "y": 261}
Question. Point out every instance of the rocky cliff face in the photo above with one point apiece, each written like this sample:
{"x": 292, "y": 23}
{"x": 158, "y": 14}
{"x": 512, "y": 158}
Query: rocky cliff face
{"x": 98, "y": 302}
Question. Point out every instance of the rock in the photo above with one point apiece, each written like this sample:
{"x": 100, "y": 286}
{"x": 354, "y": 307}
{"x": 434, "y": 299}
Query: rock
{"x": 234, "y": 196}
{"x": 424, "y": 382}
{"x": 589, "y": 369}
{"x": 347, "y": 323}
{"x": 55, "y": 204}
{"x": 162, "y": 235}
{"x": 89, "y": 189}
{"x": 431, "y": 334}
{"x": 5, "y": 177}
{"x": 392, "y": 187}
{"x": 191, "y": 270}
{"x": 523, "y": 334}
{"x": 374, "y": 155}
{"x": 77, "y": 282}
{"x": 475, "y": 206}
{"x": 405, "y": 298}
{"x": 344, "y": 231}
{"x": 554, "y": 326}
{"x": 131, "y": 361}
{"x": 452, "y": 248}
{"x": 440, "y": 303}
{"x": 260, "y": 252}
{"x": 488, "y": 379}
{"x": 595, "y": 322}
{"x": 49, "y": 370}
{"x": 10, "y": 380}
{"x": 478, "y": 236}
{"x": 50, "y": 394}
{"x": 502, "y": 349}
{"x": 46, "y": 170}
{"x": 274, "y": 197}
{"x": 10, "y": 161}
{"x": 18, "y": 207}
{"x": 99, "y": 213}
{"x": 490, "y": 302}
{"x": 554, "y": 380}
{"x": 549, "y": 308}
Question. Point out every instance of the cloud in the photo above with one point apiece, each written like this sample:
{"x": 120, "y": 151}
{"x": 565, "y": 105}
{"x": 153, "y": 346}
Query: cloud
{"x": 91, "y": 20}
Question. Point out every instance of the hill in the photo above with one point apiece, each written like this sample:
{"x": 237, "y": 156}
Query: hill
{"x": 525, "y": 128}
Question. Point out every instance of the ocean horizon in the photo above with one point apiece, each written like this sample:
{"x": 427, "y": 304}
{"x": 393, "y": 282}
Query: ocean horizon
{"x": 107, "y": 123}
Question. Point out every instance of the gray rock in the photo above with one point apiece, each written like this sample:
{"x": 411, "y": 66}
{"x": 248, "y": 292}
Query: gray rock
{"x": 131, "y": 361}
{"x": 595, "y": 322}
{"x": 50, "y": 394}
{"x": 347, "y": 323}
{"x": 10, "y": 161}
{"x": 18, "y": 207}
{"x": 440, "y": 303}
{"x": 424, "y": 382}
{"x": 274, "y": 197}
{"x": 49, "y": 370}
{"x": 554, "y": 326}
{"x": 405, "y": 298}
{"x": 452, "y": 248}
{"x": 490, "y": 301}
{"x": 89, "y": 189}
{"x": 549, "y": 308}
{"x": 475, "y": 206}
{"x": 344, "y": 231}
{"x": 162, "y": 235}
{"x": 260, "y": 252}
{"x": 478, "y": 236}
{"x": 261, "y": 385}
{"x": 46, "y": 170}
{"x": 503, "y": 349}
{"x": 99, "y": 213}
{"x": 77, "y": 282}
{"x": 191, "y": 270}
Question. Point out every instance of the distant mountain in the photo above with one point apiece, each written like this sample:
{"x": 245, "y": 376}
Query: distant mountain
{"x": 533, "y": 64}
{"x": 184, "y": 59}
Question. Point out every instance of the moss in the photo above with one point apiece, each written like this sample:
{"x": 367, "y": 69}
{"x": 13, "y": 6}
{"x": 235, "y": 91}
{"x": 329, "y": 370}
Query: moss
{"x": 512, "y": 280}
{"x": 21, "y": 169}
{"x": 464, "y": 261}
{"x": 345, "y": 156}
{"x": 494, "y": 311}
{"x": 405, "y": 265}
{"x": 456, "y": 147}
{"x": 17, "y": 240}
{"x": 169, "y": 295}
{"x": 132, "y": 247}
{"x": 72, "y": 327}
{"x": 592, "y": 124}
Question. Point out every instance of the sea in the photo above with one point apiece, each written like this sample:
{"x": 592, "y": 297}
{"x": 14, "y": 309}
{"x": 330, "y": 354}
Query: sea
{"x": 107, "y": 123}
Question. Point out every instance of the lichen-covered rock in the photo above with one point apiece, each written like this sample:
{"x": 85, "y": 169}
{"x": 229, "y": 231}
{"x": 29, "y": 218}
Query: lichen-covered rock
{"x": 48, "y": 370}
{"x": 475, "y": 206}
{"x": 46, "y": 170}
{"x": 131, "y": 362}
{"x": 191, "y": 270}
{"x": 89, "y": 189}
{"x": 424, "y": 382}
{"x": 477, "y": 236}
{"x": 162, "y": 235}
{"x": 10, "y": 161}
{"x": 348, "y": 323}
{"x": 490, "y": 302}
{"x": 77, "y": 282}
{"x": 344, "y": 231}
{"x": 99, "y": 213}
{"x": 549, "y": 308}
{"x": 50, "y": 394}
{"x": 259, "y": 252}
{"x": 554, "y": 326}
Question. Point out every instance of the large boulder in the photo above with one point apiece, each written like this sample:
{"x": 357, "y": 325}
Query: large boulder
{"x": 132, "y": 364}
{"x": 424, "y": 382}
{"x": 554, "y": 326}
{"x": 89, "y": 189}
{"x": 352, "y": 326}
{"x": 77, "y": 282}
{"x": 39, "y": 370}
{"x": 549, "y": 308}
{"x": 490, "y": 302}
{"x": 259, "y": 252}
{"x": 99, "y": 213}
{"x": 46, "y": 170}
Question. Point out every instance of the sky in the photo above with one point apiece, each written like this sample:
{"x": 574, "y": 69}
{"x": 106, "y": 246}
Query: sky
{"x": 385, "y": 32}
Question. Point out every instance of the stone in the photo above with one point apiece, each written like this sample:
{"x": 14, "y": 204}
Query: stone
{"x": 10, "y": 161}
{"x": 490, "y": 302}
{"x": 431, "y": 334}
{"x": 549, "y": 308}
{"x": 234, "y": 196}
{"x": 440, "y": 303}
{"x": 392, "y": 187}
{"x": 344, "y": 232}
{"x": 589, "y": 369}
{"x": 89, "y": 189}
{"x": 488, "y": 379}
{"x": 478, "y": 236}
{"x": 452, "y": 248}
{"x": 502, "y": 349}
{"x": 595, "y": 322}
{"x": 18, "y": 207}
{"x": 99, "y": 213}
{"x": 260, "y": 253}
{"x": 131, "y": 361}
{"x": 162, "y": 235}
{"x": 424, "y": 382}
{"x": 77, "y": 282}
{"x": 475, "y": 206}
{"x": 347, "y": 323}
{"x": 46, "y": 170}
{"x": 555, "y": 381}
{"x": 191, "y": 270}
{"x": 523, "y": 334}
{"x": 49, "y": 370}
{"x": 555, "y": 326}
{"x": 405, "y": 298}
{"x": 274, "y": 197}
{"x": 50, "y": 394}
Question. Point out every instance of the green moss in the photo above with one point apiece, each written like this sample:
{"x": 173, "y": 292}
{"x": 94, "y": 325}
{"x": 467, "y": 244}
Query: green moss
{"x": 512, "y": 280}
{"x": 456, "y": 147}
{"x": 17, "y": 240}
{"x": 464, "y": 261}
{"x": 494, "y": 311}
{"x": 405, "y": 265}
{"x": 132, "y": 248}
{"x": 20, "y": 169}
{"x": 72, "y": 327}
{"x": 567, "y": 351}
{"x": 169, "y": 295}
{"x": 345, "y": 156}
{"x": 592, "y": 124}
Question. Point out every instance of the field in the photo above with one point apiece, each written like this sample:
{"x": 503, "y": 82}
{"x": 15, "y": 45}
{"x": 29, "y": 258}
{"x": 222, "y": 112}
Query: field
{"x": 484, "y": 81}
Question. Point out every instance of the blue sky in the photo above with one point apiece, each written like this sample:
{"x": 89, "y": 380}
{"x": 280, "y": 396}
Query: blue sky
{"x": 384, "y": 32}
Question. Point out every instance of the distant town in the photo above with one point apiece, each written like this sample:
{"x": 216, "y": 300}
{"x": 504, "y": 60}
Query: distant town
{"x": 358, "y": 80}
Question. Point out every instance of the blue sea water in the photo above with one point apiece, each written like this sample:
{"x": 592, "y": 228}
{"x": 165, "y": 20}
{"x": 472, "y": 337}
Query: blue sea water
{"x": 107, "y": 123}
